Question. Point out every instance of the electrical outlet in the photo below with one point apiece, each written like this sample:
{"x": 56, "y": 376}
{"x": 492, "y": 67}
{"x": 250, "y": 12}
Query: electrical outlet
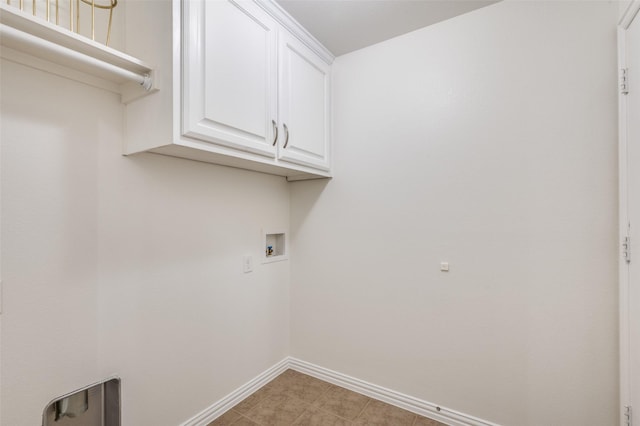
{"x": 247, "y": 264}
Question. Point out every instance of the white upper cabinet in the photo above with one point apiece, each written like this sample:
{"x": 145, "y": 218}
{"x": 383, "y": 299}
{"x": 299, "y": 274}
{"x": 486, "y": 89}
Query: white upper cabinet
{"x": 230, "y": 75}
{"x": 241, "y": 84}
{"x": 304, "y": 104}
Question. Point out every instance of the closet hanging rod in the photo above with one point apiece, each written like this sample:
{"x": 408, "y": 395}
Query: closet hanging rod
{"x": 20, "y": 36}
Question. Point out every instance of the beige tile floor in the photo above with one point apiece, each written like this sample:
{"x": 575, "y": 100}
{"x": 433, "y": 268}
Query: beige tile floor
{"x": 294, "y": 398}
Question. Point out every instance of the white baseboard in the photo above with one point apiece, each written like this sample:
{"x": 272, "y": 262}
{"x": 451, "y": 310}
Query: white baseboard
{"x": 220, "y": 407}
{"x": 409, "y": 403}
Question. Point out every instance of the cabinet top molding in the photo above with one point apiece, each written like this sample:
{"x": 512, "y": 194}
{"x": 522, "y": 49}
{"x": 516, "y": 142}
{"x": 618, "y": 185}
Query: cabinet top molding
{"x": 286, "y": 20}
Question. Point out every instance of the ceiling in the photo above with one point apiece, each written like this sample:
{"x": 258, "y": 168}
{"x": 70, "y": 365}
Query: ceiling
{"x": 347, "y": 25}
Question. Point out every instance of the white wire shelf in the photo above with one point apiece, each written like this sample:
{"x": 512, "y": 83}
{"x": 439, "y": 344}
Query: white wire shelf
{"x": 44, "y": 40}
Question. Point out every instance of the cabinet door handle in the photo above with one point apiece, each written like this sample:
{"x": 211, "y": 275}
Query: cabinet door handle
{"x": 275, "y": 132}
{"x": 286, "y": 131}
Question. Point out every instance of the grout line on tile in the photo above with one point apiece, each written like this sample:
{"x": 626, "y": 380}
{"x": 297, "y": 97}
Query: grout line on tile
{"x": 315, "y": 404}
{"x": 251, "y": 410}
{"x": 301, "y": 414}
{"x": 363, "y": 408}
{"x": 288, "y": 397}
{"x": 246, "y": 418}
{"x": 334, "y": 414}
{"x": 415, "y": 419}
{"x": 326, "y": 391}
{"x": 232, "y": 409}
{"x": 321, "y": 406}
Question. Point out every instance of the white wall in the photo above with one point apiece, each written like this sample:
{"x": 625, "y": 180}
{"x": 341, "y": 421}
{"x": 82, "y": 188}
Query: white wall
{"x": 49, "y": 245}
{"x": 127, "y": 265}
{"x": 180, "y": 322}
{"x": 622, "y": 6}
{"x": 488, "y": 141}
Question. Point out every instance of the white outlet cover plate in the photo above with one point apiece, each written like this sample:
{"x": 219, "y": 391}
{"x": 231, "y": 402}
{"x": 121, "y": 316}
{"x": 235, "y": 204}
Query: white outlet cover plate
{"x": 247, "y": 264}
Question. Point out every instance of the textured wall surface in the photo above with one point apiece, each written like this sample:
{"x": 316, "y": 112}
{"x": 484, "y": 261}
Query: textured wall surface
{"x": 128, "y": 266}
{"x": 487, "y": 141}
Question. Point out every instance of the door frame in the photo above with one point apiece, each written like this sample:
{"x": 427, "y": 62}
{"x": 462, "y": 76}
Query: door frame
{"x": 623, "y": 278}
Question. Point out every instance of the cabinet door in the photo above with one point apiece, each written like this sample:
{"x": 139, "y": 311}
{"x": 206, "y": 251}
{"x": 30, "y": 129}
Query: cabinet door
{"x": 304, "y": 104}
{"x": 230, "y": 75}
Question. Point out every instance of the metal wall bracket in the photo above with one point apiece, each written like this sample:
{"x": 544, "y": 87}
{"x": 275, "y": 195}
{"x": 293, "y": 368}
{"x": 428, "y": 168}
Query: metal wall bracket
{"x": 624, "y": 81}
{"x": 626, "y": 412}
{"x": 626, "y": 249}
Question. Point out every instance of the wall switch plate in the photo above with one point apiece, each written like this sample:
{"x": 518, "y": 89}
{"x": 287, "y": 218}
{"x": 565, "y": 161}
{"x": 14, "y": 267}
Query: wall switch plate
{"x": 247, "y": 264}
{"x": 444, "y": 266}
